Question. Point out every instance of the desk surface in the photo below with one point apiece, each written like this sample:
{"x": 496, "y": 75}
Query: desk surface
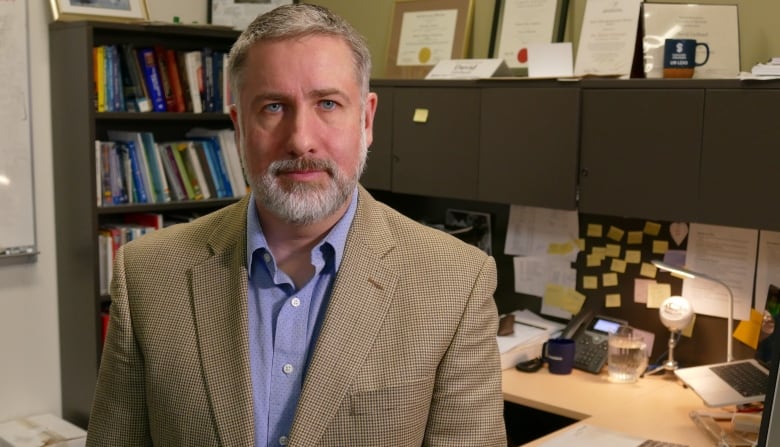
{"x": 655, "y": 407}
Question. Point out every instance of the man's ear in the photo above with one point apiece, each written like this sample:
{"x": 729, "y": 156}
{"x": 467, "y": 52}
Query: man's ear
{"x": 372, "y": 99}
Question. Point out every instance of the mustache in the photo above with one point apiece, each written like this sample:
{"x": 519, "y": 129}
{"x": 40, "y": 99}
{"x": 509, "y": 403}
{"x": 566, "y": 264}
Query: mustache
{"x": 302, "y": 164}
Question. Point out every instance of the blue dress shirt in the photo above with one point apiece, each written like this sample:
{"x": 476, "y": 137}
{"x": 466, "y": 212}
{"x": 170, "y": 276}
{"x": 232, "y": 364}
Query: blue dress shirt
{"x": 284, "y": 324}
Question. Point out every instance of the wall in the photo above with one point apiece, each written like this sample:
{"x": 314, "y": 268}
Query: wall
{"x": 29, "y": 339}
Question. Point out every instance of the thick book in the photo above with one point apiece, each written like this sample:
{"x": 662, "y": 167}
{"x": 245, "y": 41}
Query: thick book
{"x": 207, "y": 159}
{"x": 184, "y": 80}
{"x": 194, "y": 171}
{"x": 148, "y": 64}
{"x": 159, "y": 181}
{"x": 138, "y": 188}
{"x": 174, "y": 78}
{"x": 130, "y": 58}
{"x": 207, "y": 56}
{"x": 100, "y": 77}
{"x": 194, "y": 68}
{"x": 142, "y": 160}
{"x": 208, "y": 174}
{"x": 118, "y": 98}
{"x": 175, "y": 150}
{"x": 213, "y": 150}
{"x": 165, "y": 81}
{"x": 116, "y": 169}
{"x": 228, "y": 149}
{"x": 104, "y": 162}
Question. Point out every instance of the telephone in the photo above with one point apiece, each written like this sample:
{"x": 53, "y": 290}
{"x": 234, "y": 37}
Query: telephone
{"x": 590, "y": 333}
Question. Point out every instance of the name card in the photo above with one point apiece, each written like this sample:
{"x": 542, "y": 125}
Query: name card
{"x": 468, "y": 69}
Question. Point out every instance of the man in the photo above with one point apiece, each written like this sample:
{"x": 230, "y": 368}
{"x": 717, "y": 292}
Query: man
{"x": 307, "y": 314}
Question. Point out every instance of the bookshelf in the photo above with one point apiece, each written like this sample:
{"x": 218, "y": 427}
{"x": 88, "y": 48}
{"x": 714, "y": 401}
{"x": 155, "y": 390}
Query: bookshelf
{"x": 76, "y": 126}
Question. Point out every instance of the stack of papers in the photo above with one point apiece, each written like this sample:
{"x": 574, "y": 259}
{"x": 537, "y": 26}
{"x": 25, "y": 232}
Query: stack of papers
{"x": 771, "y": 68}
{"x": 530, "y": 333}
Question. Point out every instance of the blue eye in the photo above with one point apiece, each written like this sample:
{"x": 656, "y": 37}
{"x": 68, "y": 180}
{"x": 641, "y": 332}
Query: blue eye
{"x": 327, "y": 104}
{"x": 273, "y": 108}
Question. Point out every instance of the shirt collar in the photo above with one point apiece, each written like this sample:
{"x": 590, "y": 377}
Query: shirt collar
{"x": 336, "y": 237}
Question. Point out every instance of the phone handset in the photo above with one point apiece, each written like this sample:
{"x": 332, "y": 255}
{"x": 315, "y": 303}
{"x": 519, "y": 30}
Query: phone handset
{"x": 578, "y": 323}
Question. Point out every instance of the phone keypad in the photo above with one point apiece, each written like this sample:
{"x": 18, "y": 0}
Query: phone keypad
{"x": 590, "y": 353}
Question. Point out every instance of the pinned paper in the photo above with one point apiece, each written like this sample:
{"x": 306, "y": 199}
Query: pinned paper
{"x": 420, "y": 116}
{"x": 660, "y": 247}
{"x": 640, "y": 289}
{"x": 634, "y": 237}
{"x": 679, "y": 231}
{"x": 615, "y": 233}
{"x": 652, "y": 228}
{"x": 590, "y": 282}
{"x": 618, "y": 265}
{"x": 550, "y": 60}
{"x": 633, "y": 256}
{"x": 595, "y": 230}
{"x": 612, "y": 300}
{"x": 657, "y": 293}
{"x": 609, "y": 279}
{"x": 593, "y": 260}
{"x": 648, "y": 270}
{"x": 613, "y": 250}
{"x": 563, "y": 298}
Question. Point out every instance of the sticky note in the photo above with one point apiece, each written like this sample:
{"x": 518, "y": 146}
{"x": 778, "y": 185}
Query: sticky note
{"x": 634, "y": 237}
{"x": 615, "y": 233}
{"x": 420, "y": 116}
{"x": 595, "y": 230}
{"x": 688, "y": 330}
{"x": 657, "y": 293}
{"x": 590, "y": 282}
{"x": 633, "y": 256}
{"x": 749, "y": 331}
{"x": 560, "y": 249}
{"x": 613, "y": 250}
{"x": 593, "y": 260}
{"x": 640, "y": 289}
{"x": 581, "y": 244}
{"x": 652, "y": 228}
{"x": 564, "y": 298}
{"x": 618, "y": 265}
{"x": 601, "y": 251}
{"x": 609, "y": 279}
{"x": 648, "y": 270}
{"x": 612, "y": 300}
{"x": 660, "y": 247}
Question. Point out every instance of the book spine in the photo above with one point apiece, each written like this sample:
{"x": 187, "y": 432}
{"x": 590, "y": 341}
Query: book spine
{"x": 130, "y": 57}
{"x": 181, "y": 63}
{"x": 156, "y": 170}
{"x": 219, "y": 159}
{"x": 100, "y": 77}
{"x": 105, "y": 173}
{"x": 172, "y": 171}
{"x": 208, "y": 174}
{"x": 165, "y": 82}
{"x": 191, "y": 166}
{"x": 204, "y": 150}
{"x": 194, "y": 69}
{"x": 152, "y": 78}
{"x": 175, "y": 80}
{"x": 182, "y": 170}
{"x": 116, "y": 80}
{"x": 208, "y": 79}
{"x": 139, "y": 191}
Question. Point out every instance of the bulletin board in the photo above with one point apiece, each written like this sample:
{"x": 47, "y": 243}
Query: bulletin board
{"x": 17, "y": 208}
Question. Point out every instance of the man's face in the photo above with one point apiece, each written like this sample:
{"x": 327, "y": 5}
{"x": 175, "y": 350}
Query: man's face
{"x": 303, "y": 126}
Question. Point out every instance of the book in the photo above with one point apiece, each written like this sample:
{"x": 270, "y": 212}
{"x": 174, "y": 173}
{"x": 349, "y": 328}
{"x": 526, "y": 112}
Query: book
{"x": 118, "y": 97}
{"x": 130, "y": 58}
{"x": 175, "y": 182}
{"x": 227, "y": 143}
{"x": 104, "y": 162}
{"x": 194, "y": 68}
{"x": 211, "y": 147}
{"x": 148, "y": 65}
{"x": 214, "y": 177}
{"x": 150, "y": 220}
{"x": 100, "y": 77}
{"x": 181, "y": 64}
{"x": 227, "y": 95}
{"x": 207, "y": 56}
{"x": 194, "y": 171}
{"x": 138, "y": 189}
{"x": 175, "y": 81}
{"x": 174, "y": 149}
{"x": 159, "y": 181}
{"x": 165, "y": 82}
{"x": 116, "y": 170}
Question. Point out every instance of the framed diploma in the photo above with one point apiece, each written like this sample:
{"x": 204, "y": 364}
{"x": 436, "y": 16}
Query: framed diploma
{"x": 239, "y": 14}
{"x": 608, "y": 38}
{"x": 522, "y": 22}
{"x": 715, "y": 25}
{"x": 425, "y": 32}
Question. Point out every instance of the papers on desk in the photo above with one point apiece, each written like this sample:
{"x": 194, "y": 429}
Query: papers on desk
{"x": 530, "y": 333}
{"x": 584, "y": 435}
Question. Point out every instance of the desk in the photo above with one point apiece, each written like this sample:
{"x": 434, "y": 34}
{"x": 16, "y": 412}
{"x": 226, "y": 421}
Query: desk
{"x": 655, "y": 407}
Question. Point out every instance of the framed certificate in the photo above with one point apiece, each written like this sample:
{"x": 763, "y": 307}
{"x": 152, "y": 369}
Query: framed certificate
{"x": 239, "y": 14}
{"x": 608, "y": 38}
{"x": 522, "y": 22}
{"x": 425, "y": 32}
{"x": 715, "y": 25}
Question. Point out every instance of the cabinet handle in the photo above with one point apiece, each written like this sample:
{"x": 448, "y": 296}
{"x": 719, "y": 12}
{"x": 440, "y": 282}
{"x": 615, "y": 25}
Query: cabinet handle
{"x": 584, "y": 172}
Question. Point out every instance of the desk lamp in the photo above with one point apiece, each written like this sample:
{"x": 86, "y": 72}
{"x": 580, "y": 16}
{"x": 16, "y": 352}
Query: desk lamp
{"x": 676, "y": 314}
{"x": 696, "y": 275}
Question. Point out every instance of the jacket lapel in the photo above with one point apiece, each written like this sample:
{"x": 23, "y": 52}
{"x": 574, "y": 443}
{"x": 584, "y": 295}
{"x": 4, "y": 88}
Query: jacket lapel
{"x": 358, "y": 305}
{"x": 219, "y": 293}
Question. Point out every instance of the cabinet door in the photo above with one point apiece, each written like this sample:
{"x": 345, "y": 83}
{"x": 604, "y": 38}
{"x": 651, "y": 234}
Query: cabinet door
{"x": 435, "y": 141}
{"x": 379, "y": 166}
{"x": 640, "y": 152}
{"x": 528, "y": 146}
{"x": 741, "y": 158}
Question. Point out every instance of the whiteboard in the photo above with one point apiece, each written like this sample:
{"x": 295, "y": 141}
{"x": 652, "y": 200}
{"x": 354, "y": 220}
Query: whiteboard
{"x": 17, "y": 207}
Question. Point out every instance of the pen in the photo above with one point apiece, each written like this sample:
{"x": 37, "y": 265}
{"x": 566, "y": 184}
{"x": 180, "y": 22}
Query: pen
{"x": 531, "y": 325}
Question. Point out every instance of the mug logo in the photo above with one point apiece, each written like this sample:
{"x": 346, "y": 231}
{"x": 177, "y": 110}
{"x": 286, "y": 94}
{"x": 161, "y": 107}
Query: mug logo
{"x": 679, "y": 47}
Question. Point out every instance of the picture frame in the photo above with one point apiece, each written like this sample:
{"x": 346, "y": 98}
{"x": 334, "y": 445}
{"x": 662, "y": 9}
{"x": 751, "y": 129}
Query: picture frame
{"x": 517, "y": 23}
{"x": 239, "y": 14}
{"x": 715, "y": 24}
{"x": 106, "y": 10}
{"x": 424, "y": 32}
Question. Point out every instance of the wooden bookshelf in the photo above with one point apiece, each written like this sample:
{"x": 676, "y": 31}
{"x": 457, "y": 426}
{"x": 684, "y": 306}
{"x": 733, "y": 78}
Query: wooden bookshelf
{"x": 76, "y": 126}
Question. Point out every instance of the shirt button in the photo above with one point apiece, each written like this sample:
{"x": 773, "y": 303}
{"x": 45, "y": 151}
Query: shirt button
{"x": 288, "y": 368}
{"x": 295, "y": 302}
{"x": 284, "y": 440}
{"x": 266, "y": 257}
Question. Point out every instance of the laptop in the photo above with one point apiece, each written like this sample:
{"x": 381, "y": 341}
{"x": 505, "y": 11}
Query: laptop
{"x": 736, "y": 382}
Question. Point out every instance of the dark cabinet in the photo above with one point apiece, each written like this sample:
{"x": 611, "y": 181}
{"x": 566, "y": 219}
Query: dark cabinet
{"x": 640, "y": 152}
{"x": 740, "y": 163}
{"x": 377, "y": 174}
{"x": 528, "y": 146}
{"x": 436, "y": 141}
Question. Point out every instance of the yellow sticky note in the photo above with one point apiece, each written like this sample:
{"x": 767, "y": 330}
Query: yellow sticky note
{"x": 560, "y": 249}
{"x": 660, "y": 247}
{"x": 593, "y": 260}
{"x": 590, "y": 282}
{"x": 652, "y": 228}
{"x": 657, "y": 293}
{"x": 612, "y": 300}
{"x": 615, "y": 233}
{"x": 609, "y": 279}
{"x": 420, "y": 116}
{"x": 633, "y": 256}
{"x": 648, "y": 270}
{"x": 581, "y": 244}
{"x": 688, "y": 330}
{"x": 613, "y": 250}
{"x": 564, "y": 298}
{"x": 601, "y": 251}
{"x": 618, "y": 265}
{"x": 748, "y": 331}
{"x": 595, "y": 230}
{"x": 634, "y": 237}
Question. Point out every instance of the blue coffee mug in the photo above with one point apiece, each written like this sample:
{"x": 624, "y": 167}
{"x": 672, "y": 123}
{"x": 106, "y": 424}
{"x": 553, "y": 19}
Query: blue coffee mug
{"x": 681, "y": 53}
{"x": 559, "y": 355}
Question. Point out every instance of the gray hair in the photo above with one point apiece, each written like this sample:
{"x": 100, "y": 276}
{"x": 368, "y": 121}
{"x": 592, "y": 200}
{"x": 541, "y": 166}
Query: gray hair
{"x": 298, "y": 20}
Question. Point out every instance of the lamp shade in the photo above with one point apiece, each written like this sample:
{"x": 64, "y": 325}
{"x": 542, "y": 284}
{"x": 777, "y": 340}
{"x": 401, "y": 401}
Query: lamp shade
{"x": 676, "y": 313}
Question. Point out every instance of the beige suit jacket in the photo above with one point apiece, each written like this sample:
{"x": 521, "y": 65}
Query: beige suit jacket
{"x": 407, "y": 354}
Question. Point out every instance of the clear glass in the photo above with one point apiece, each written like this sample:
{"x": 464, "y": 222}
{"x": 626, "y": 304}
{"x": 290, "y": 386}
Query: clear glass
{"x": 626, "y": 356}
